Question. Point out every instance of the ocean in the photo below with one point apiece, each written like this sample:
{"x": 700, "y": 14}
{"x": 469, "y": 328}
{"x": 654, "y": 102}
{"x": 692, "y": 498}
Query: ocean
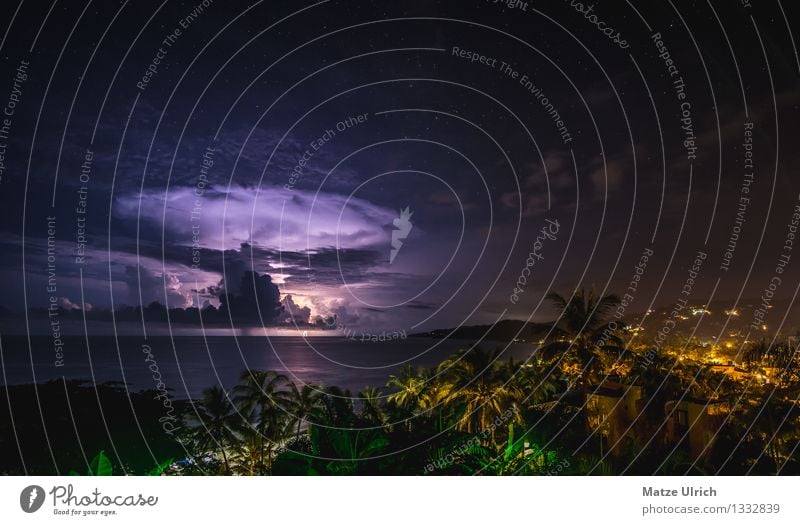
{"x": 188, "y": 364}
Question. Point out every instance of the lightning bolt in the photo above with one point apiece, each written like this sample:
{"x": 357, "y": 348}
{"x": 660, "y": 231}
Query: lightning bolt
{"x": 32, "y": 497}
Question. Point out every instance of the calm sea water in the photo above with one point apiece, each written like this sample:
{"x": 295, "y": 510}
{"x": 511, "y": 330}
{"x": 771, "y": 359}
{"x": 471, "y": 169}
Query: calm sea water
{"x": 189, "y": 364}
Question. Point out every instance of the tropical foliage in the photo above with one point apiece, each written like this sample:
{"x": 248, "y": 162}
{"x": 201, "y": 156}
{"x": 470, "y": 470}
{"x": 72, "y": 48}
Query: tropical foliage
{"x": 477, "y": 412}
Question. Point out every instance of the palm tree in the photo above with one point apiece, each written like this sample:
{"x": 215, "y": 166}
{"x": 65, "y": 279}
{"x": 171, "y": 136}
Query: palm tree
{"x": 432, "y": 398}
{"x": 337, "y": 408}
{"x": 247, "y": 454}
{"x": 262, "y": 396}
{"x": 535, "y": 379}
{"x": 371, "y": 405}
{"x": 476, "y": 380}
{"x": 582, "y": 338}
{"x": 217, "y": 422}
{"x": 259, "y": 390}
{"x": 409, "y": 388}
{"x": 304, "y": 404}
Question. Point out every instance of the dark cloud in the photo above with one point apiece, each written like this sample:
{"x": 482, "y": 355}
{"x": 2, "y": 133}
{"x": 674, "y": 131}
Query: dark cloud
{"x": 258, "y": 299}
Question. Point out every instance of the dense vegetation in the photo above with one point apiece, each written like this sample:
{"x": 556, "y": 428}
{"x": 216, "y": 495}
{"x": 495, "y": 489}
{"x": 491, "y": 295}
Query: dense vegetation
{"x": 475, "y": 413}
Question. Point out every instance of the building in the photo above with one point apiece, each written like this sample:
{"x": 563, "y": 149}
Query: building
{"x": 692, "y": 423}
{"x": 732, "y": 371}
{"x": 611, "y": 409}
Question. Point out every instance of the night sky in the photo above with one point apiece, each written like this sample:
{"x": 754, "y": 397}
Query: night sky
{"x": 177, "y": 152}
